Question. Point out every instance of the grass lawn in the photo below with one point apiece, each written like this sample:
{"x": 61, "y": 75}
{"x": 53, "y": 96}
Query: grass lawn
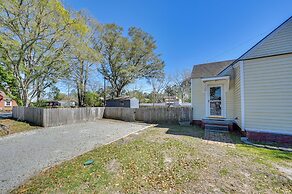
{"x": 15, "y": 126}
{"x": 169, "y": 159}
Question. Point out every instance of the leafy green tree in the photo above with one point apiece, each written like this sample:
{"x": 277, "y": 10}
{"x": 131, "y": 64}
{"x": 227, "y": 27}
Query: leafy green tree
{"x": 126, "y": 59}
{"x": 61, "y": 96}
{"x": 92, "y": 99}
{"x": 35, "y": 38}
{"x": 137, "y": 94}
{"x": 8, "y": 84}
{"x": 53, "y": 93}
{"x": 84, "y": 55}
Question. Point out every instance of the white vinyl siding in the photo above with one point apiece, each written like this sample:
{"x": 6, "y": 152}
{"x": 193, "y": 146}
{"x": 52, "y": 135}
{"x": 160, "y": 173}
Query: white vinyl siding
{"x": 230, "y": 100}
{"x": 199, "y": 102}
{"x": 237, "y": 99}
{"x": 268, "y": 91}
{"x": 198, "y": 99}
{"x": 278, "y": 42}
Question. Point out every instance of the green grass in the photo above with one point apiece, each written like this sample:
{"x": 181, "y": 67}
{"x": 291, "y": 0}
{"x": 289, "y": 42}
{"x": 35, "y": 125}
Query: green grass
{"x": 15, "y": 126}
{"x": 165, "y": 159}
{"x": 263, "y": 155}
{"x": 223, "y": 171}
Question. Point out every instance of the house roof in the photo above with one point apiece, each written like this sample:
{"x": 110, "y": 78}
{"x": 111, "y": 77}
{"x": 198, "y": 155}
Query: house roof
{"x": 209, "y": 69}
{"x": 3, "y": 94}
{"x": 277, "y": 42}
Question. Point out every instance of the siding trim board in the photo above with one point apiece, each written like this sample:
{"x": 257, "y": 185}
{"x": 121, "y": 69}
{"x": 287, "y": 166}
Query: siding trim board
{"x": 288, "y": 53}
{"x": 242, "y": 95}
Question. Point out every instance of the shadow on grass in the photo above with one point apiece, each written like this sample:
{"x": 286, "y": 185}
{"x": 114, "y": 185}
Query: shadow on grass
{"x": 184, "y": 130}
{"x": 197, "y": 132}
{"x": 231, "y": 138}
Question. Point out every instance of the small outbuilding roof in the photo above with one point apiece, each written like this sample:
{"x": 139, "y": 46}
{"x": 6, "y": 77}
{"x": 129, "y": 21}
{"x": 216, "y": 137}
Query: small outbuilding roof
{"x": 122, "y": 98}
{"x": 209, "y": 69}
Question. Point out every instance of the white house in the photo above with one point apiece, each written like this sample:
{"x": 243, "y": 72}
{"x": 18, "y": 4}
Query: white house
{"x": 254, "y": 91}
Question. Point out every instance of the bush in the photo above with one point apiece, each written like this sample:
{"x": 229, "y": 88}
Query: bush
{"x": 92, "y": 99}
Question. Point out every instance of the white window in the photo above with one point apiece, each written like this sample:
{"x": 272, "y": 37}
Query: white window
{"x": 7, "y": 103}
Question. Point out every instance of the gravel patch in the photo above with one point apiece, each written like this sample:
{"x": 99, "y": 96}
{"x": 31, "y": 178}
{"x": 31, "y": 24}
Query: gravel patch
{"x": 25, "y": 154}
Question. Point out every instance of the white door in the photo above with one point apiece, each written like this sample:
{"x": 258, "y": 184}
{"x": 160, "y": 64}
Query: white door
{"x": 215, "y": 101}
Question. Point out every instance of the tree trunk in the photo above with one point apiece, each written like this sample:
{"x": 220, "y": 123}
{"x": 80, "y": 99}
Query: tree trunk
{"x": 118, "y": 92}
{"x": 81, "y": 93}
{"x": 25, "y": 100}
{"x": 81, "y": 83}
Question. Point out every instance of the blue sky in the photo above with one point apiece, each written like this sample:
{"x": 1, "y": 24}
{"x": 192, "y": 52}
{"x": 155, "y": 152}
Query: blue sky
{"x": 190, "y": 32}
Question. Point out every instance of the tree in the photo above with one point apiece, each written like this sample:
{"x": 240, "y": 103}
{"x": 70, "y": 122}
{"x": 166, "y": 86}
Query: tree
{"x": 83, "y": 55}
{"x": 170, "y": 91}
{"x": 137, "y": 94}
{"x": 34, "y": 44}
{"x": 8, "y": 83}
{"x": 182, "y": 81}
{"x": 92, "y": 99}
{"x": 54, "y": 93}
{"x": 127, "y": 59}
{"x": 158, "y": 86}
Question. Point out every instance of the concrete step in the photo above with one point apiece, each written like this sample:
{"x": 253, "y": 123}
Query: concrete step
{"x": 218, "y": 121}
{"x": 214, "y": 127}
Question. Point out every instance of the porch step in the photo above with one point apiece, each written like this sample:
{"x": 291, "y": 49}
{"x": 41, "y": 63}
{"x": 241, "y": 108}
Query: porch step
{"x": 214, "y": 127}
{"x": 218, "y": 124}
{"x": 218, "y": 121}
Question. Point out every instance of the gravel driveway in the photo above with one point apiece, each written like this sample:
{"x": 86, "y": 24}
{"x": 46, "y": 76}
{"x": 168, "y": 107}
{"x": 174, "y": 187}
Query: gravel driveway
{"x": 25, "y": 154}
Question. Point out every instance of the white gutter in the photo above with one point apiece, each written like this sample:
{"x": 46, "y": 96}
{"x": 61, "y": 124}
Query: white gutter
{"x": 215, "y": 78}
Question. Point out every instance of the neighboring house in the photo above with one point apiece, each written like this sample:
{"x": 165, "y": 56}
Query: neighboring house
{"x": 126, "y": 102}
{"x": 6, "y": 103}
{"x": 253, "y": 91}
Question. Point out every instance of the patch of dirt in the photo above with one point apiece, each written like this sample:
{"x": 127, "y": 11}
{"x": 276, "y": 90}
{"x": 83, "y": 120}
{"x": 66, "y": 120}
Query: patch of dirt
{"x": 167, "y": 161}
{"x": 218, "y": 136}
{"x": 219, "y": 143}
{"x": 285, "y": 170}
{"x": 113, "y": 166}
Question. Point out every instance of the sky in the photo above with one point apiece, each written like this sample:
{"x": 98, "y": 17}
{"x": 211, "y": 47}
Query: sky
{"x": 190, "y": 32}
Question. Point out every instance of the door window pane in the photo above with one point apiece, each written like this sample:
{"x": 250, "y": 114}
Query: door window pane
{"x": 215, "y": 101}
{"x": 215, "y": 108}
{"x": 215, "y": 93}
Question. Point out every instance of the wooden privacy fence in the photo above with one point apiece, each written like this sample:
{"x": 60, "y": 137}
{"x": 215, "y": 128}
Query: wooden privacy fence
{"x": 150, "y": 114}
{"x": 47, "y": 117}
